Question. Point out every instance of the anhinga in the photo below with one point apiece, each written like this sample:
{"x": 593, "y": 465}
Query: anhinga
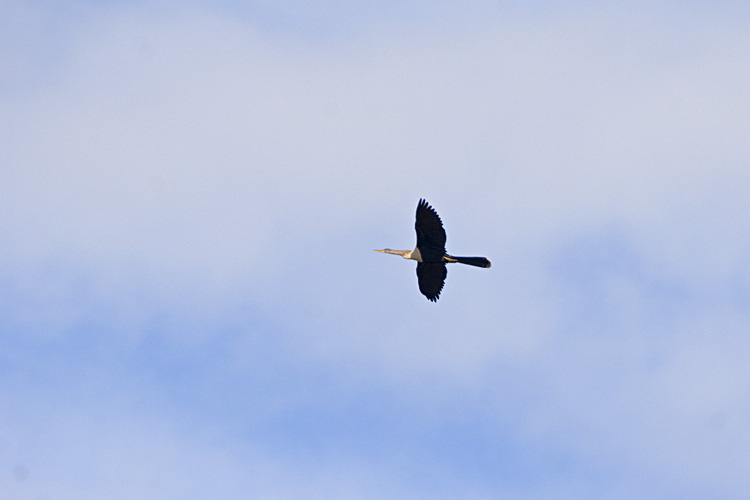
{"x": 430, "y": 252}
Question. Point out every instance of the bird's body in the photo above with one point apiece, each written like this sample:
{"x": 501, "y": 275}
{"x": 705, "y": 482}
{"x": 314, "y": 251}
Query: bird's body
{"x": 430, "y": 252}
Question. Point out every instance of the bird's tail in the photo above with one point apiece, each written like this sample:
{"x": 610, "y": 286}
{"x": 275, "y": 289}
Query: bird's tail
{"x": 471, "y": 261}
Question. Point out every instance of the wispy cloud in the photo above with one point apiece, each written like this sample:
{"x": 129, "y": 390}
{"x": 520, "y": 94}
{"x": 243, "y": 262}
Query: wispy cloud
{"x": 189, "y": 199}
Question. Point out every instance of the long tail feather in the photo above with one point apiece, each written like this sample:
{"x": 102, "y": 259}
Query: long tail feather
{"x": 471, "y": 261}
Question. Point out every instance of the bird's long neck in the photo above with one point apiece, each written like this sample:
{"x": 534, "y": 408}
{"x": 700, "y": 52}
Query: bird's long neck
{"x": 406, "y": 254}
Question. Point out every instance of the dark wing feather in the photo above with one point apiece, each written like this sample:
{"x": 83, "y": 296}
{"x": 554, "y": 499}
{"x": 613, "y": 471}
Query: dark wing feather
{"x": 430, "y": 233}
{"x": 431, "y": 277}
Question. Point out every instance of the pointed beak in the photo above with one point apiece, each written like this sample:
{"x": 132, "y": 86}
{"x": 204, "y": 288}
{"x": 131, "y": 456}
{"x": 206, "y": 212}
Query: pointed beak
{"x": 381, "y": 251}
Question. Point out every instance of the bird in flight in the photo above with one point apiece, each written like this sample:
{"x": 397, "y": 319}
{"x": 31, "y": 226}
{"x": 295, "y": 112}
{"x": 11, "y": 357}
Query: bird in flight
{"x": 430, "y": 252}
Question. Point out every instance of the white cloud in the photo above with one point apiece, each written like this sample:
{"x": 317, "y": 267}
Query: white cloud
{"x": 175, "y": 169}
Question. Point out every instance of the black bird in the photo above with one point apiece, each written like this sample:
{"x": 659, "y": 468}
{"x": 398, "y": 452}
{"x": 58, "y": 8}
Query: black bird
{"x": 430, "y": 252}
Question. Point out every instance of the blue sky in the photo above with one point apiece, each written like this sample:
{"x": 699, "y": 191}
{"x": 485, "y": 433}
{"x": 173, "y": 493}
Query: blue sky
{"x": 189, "y": 199}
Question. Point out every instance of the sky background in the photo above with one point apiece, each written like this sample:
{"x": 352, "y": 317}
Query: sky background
{"x": 190, "y": 193}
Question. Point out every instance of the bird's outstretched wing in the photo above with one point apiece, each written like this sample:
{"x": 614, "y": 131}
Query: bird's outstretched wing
{"x": 430, "y": 233}
{"x": 431, "y": 277}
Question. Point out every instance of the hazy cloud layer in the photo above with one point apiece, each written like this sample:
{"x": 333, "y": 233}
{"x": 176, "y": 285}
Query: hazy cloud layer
{"x": 189, "y": 198}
